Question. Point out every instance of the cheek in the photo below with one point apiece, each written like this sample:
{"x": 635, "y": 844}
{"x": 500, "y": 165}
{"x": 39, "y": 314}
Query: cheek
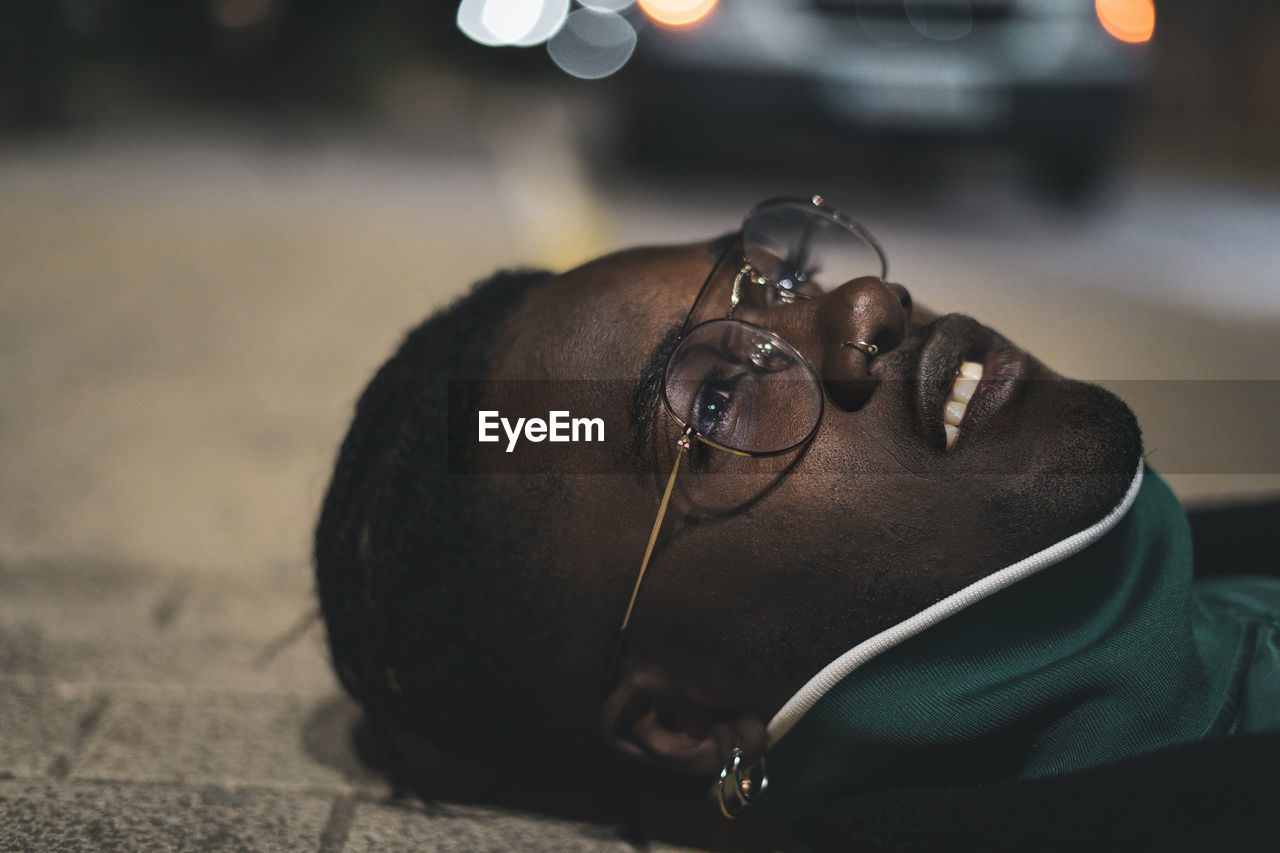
{"x": 894, "y": 542}
{"x": 773, "y": 543}
{"x": 716, "y": 487}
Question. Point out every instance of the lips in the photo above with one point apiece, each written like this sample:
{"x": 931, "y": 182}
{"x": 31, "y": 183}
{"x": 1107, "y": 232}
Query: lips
{"x": 956, "y": 339}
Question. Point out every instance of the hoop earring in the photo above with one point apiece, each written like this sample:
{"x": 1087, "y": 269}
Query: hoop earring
{"x": 743, "y": 787}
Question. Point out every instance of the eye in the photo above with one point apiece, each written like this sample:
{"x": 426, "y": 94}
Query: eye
{"x": 713, "y": 406}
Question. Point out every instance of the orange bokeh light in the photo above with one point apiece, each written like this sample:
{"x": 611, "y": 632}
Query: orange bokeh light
{"x": 1128, "y": 20}
{"x": 677, "y": 13}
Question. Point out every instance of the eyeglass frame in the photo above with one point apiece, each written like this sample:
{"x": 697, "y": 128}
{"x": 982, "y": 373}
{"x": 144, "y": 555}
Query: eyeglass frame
{"x": 748, "y": 273}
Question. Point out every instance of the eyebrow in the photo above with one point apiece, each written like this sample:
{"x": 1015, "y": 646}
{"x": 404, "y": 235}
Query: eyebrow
{"x": 643, "y": 407}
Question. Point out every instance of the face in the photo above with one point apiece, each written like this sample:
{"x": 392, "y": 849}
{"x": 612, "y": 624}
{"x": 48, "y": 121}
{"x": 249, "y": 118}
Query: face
{"x": 768, "y": 568}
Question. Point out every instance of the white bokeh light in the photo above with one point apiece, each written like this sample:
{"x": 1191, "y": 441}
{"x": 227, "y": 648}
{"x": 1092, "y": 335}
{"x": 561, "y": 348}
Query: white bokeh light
{"x": 510, "y": 20}
{"x": 551, "y": 18}
{"x": 470, "y": 14}
{"x": 592, "y": 45}
{"x": 521, "y": 23}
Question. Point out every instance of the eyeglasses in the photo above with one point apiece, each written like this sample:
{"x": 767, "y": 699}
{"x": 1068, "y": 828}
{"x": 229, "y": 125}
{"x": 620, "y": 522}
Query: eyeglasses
{"x": 738, "y": 387}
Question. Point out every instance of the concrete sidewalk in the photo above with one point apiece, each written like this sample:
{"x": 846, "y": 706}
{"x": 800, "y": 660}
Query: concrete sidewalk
{"x": 143, "y": 712}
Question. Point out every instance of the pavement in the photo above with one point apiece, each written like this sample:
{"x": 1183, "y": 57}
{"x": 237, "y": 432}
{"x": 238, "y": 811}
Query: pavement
{"x": 187, "y": 314}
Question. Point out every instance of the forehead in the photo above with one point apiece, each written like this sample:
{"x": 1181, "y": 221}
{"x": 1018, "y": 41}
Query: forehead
{"x": 602, "y": 320}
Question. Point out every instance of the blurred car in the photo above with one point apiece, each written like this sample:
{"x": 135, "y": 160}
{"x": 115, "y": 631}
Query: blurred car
{"x": 1044, "y": 76}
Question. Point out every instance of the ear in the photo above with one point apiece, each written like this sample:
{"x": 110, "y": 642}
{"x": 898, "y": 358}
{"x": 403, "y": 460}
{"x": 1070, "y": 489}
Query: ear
{"x": 651, "y": 717}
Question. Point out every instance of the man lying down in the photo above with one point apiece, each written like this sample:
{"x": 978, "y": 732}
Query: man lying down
{"x": 828, "y": 543}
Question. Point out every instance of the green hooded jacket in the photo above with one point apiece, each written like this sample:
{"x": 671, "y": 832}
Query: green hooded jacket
{"x": 1097, "y": 648}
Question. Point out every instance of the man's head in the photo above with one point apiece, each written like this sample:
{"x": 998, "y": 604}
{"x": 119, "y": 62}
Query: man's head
{"x": 489, "y": 603}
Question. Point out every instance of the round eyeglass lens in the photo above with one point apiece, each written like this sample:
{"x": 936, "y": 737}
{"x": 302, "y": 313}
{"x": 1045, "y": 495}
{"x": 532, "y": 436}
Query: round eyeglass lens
{"x": 806, "y": 249}
{"x": 742, "y": 388}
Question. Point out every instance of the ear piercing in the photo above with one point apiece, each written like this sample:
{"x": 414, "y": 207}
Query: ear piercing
{"x": 869, "y": 349}
{"x": 738, "y": 786}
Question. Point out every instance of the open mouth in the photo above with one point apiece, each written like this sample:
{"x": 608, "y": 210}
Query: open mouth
{"x": 957, "y": 400}
{"x": 966, "y": 374}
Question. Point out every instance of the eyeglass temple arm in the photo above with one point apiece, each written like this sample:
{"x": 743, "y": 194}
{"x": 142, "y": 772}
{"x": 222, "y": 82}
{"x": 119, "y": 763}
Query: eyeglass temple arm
{"x": 735, "y": 296}
{"x": 682, "y": 446}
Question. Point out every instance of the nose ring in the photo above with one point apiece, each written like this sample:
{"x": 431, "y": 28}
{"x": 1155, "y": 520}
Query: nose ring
{"x": 869, "y": 349}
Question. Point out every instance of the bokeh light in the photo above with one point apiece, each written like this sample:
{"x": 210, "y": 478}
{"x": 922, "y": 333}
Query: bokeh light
{"x": 521, "y": 23}
{"x": 470, "y": 21}
{"x": 677, "y": 13}
{"x": 592, "y": 45}
{"x": 1132, "y": 21}
{"x": 510, "y": 20}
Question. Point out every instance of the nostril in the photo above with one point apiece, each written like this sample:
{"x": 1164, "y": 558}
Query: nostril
{"x": 904, "y": 297}
{"x": 863, "y": 320}
{"x": 887, "y": 338}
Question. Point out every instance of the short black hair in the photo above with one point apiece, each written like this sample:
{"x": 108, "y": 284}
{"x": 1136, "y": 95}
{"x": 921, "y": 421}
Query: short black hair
{"x": 433, "y": 585}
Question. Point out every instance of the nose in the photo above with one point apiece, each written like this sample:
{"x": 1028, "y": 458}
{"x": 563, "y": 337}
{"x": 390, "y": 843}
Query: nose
{"x": 859, "y": 321}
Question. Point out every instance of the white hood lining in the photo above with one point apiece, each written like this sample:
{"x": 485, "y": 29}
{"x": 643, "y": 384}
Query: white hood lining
{"x": 831, "y": 675}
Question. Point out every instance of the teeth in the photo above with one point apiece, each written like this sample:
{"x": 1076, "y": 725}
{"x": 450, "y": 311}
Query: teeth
{"x": 962, "y": 388}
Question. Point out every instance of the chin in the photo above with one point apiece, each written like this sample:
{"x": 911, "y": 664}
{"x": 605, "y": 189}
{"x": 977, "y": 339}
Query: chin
{"x": 1075, "y": 470}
